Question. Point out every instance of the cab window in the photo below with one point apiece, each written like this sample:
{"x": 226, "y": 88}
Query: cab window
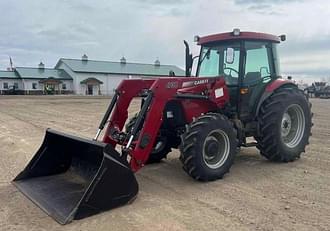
{"x": 231, "y": 69}
{"x": 209, "y": 65}
{"x": 214, "y": 62}
{"x": 257, "y": 66}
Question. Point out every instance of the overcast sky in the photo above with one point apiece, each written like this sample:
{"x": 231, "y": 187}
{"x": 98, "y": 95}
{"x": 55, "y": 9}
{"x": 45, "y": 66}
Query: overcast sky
{"x": 143, "y": 30}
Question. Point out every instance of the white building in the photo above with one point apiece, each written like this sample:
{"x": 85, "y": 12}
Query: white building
{"x": 80, "y": 76}
{"x": 9, "y": 80}
{"x": 91, "y": 77}
{"x": 35, "y": 81}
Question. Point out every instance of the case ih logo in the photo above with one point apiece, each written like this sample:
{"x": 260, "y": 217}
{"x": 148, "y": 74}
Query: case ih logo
{"x": 194, "y": 83}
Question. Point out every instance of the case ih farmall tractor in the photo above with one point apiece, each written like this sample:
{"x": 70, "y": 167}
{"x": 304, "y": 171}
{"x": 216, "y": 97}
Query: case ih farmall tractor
{"x": 237, "y": 93}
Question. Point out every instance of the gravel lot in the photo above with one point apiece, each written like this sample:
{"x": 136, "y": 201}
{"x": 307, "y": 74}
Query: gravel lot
{"x": 256, "y": 195}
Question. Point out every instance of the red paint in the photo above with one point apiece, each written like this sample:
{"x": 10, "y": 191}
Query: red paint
{"x": 194, "y": 108}
{"x": 243, "y": 36}
{"x": 278, "y": 83}
{"x": 164, "y": 90}
{"x": 128, "y": 89}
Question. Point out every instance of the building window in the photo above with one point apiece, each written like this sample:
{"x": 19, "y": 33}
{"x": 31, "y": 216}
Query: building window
{"x": 16, "y": 85}
{"x": 5, "y": 85}
{"x": 34, "y": 86}
{"x": 63, "y": 86}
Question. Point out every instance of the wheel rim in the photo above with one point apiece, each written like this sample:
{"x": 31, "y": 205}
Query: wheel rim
{"x": 293, "y": 126}
{"x": 158, "y": 147}
{"x": 216, "y": 149}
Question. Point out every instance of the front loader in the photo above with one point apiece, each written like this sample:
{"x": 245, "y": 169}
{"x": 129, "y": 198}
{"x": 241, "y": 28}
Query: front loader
{"x": 237, "y": 93}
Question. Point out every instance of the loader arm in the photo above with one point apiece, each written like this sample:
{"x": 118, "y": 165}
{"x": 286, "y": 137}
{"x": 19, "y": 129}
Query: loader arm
{"x": 157, "y": 93}
{"x": 127, "y": 90}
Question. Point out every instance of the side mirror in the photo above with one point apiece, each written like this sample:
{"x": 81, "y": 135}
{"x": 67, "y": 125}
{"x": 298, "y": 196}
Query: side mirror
{"x": 230, "y": 55}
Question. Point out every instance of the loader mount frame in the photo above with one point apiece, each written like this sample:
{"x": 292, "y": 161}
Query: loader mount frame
{"x": 196, "y": 96}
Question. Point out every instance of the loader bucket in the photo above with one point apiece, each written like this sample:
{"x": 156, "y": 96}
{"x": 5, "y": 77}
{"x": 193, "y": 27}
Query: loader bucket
{"x": 72, "y": 178}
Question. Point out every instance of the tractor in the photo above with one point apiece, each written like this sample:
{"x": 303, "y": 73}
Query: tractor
{"x": 318, "y": 90}
{"x": 236, "y": 93}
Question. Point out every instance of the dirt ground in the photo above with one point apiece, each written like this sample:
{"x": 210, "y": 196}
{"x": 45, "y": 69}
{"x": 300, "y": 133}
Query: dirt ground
{"x": 255, "y": 195}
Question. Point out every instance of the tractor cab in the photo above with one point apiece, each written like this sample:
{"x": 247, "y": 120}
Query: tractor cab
{"x": 248, "y": 62}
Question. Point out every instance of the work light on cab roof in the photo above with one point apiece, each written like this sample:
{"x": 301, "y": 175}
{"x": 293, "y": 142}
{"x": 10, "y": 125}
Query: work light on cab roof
{"x": 236, "y": 32}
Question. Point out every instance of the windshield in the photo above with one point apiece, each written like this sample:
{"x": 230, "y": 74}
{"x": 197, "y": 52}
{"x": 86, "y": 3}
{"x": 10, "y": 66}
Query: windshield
{"x": 223, "y": 60}
{"x": 214, "y": 61}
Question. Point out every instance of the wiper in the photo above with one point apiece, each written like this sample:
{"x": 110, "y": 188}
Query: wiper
{"x": 207, "y": 53}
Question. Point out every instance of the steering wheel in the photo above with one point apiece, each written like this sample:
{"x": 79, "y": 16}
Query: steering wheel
{"x": 230, "y": 70}
{"x": 229, "y": 78}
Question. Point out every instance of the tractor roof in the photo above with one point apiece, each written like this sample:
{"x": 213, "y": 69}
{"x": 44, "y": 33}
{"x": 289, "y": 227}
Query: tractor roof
{"x": 241, "y": 36}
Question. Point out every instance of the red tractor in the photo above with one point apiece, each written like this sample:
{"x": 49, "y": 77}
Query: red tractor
{"x": 237, "y": 93}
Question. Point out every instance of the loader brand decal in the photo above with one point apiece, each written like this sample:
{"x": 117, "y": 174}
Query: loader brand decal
{"x": 194, "y": 83}
{"x": 172, "y": 85}
{"x": 202, "y": 81}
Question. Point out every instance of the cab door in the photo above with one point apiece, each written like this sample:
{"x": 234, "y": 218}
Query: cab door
{"x": 258, "y": 70}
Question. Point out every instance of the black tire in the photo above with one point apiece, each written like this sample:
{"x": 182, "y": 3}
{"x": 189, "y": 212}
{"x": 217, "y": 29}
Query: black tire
{"x": 285, "y": 121}
{"x": 210, "y": 133}
{"x": 160, "y": 153}
{"x": 161, "y": 147}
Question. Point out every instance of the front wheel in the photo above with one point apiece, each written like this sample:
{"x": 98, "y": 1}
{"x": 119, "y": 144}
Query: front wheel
{"x": 208, "y": 147}
{"x": 161, "y": 147}
{"x": 285, "y": 122}
{"x": 160, "y": 150}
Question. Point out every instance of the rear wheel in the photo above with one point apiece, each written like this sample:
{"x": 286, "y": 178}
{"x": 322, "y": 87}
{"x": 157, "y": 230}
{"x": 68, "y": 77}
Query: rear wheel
{"x": 285, "y": 122}
{"x": 161, "y": 147}
{"x": 208, "y": 147}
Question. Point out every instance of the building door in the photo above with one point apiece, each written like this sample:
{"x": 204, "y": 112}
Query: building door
{"x": 90, "y": 89}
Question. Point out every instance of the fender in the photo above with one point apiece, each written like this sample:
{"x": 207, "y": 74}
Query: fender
{"x": 276, "y": 84}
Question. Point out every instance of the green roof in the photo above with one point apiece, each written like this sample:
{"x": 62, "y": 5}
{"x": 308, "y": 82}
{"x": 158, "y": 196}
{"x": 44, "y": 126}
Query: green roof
{"x": 41, "y": 73}
{"x": 8, "y": 75}
{"x": 93, "y": 66}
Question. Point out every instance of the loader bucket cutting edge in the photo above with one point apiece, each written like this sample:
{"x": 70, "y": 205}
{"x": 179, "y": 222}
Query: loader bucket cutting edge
{"x": 72, "y": 178}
